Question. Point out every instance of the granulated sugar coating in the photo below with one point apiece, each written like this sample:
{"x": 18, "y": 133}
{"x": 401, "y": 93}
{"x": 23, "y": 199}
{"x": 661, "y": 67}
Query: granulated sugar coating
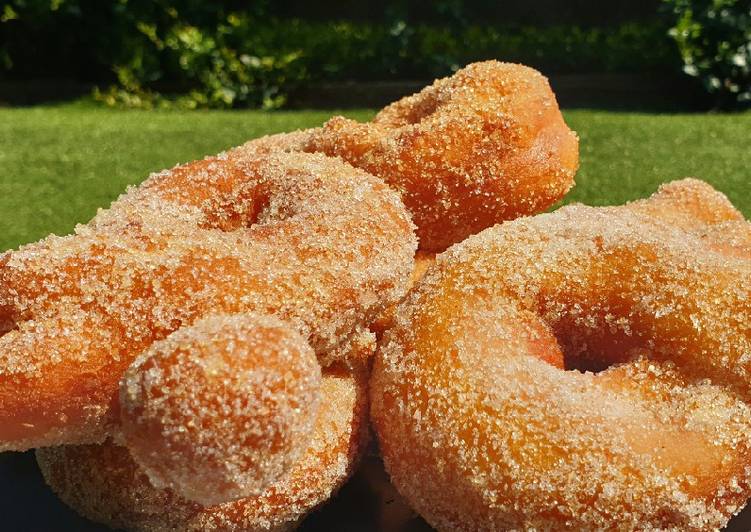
{"x": 485, "y": 145}
{"x": 486, "y": 416}
{"x": 103, "y": 482}
{"x": 423, "y": 261}
{"x": 220, "y": 409}
{"x": 307, "y": 238}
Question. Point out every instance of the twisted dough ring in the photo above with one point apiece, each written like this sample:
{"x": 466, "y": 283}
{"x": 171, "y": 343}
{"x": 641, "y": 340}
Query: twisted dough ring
{"x": 485, "y": 145}
{"x": 103, "y": 482}
{"x": 307, "y": 238}
{"x": 482, "y": 428}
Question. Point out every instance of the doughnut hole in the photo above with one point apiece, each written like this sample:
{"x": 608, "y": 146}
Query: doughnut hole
{"x": 8, "y": 312}
{"x": 219, "y": 410}
{"x": 7, "y": 323}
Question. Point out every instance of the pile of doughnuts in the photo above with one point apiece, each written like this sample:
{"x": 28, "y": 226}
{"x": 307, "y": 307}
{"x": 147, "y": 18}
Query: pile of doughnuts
{"x": 199, "y": 355}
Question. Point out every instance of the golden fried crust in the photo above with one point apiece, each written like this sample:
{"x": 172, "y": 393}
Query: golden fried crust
{"x": 485, "y": 418}
{"x": 219, "y": 410}
{"x": 485, "y": 145}
{"x": 307, "y": 238}
{"x": 423, "y": 261}
{"x": 103, "y": 483}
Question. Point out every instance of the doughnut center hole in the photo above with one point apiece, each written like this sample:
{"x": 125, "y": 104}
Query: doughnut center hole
{"x": 7, "y": 323}
{"x": 591, "y": 353}
{"x": 418, "y": 112}
{"x": 585, "y": 363}
{"x": 236, "y": 214}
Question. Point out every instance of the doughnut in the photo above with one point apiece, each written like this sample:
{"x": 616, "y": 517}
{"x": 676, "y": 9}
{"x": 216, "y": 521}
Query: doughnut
{"x": 304, "y": 237}
{"x": 485, "y": 145}
{"x": 103, "y": 483}
{"x": 220, "y": 409}
{"x": 587, "y": 369}
{"x": 423, "y": 261}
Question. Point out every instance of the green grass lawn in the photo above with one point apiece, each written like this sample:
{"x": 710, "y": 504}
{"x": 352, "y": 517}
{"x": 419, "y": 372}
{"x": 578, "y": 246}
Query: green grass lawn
{"x": 59, "y": 163}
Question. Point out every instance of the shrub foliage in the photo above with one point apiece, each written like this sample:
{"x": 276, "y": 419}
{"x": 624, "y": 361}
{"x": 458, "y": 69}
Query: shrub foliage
{"x": 714, "y": 39}
{"x": 194, "y": 53}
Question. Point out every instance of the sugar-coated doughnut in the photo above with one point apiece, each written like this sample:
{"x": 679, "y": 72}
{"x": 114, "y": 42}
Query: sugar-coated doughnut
{"x": 588, "y": 369}
{"x": 305, "y": 237}
{"x": 220, "y": 409}
{"x": 423, "y": 261}
{"x": 103, "y": 483}
{"x": 485, "y": 145}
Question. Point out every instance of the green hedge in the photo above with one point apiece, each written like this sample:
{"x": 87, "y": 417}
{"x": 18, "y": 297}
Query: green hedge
{"x": 199, "y": 54}
{"x": 714, "y": 39}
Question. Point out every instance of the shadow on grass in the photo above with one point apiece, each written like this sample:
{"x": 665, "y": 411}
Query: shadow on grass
{"x": 42, "y": 92}
{"x": 651, "y": 93}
